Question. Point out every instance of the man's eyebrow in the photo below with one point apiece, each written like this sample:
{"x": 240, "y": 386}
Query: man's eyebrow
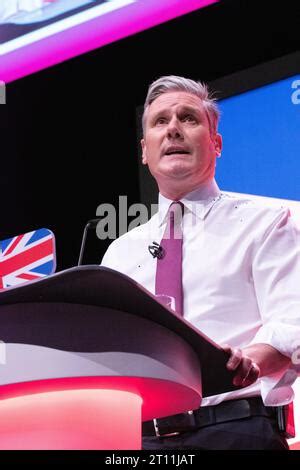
{"x": 182, "y": 109}
{"x": 190, "y": 109}
{"x": 164, "y": 111}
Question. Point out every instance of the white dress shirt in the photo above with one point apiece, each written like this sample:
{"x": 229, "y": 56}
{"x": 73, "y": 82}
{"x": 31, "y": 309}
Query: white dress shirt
{"x": 241, "y": 275}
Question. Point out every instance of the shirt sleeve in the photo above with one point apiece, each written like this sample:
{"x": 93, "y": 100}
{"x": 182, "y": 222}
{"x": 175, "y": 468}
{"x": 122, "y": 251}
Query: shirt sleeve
{"x": 276, "y": 276}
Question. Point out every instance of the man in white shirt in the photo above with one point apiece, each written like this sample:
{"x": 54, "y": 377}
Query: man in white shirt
{"x": 240, "y": 271}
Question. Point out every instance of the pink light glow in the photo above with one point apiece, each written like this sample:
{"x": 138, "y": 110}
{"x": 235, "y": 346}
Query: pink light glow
{"x": 73, "y": 419}
{"x": 82, "y": 38}
{"x": 154, "y": 392}
{"x": 86, "y": 412}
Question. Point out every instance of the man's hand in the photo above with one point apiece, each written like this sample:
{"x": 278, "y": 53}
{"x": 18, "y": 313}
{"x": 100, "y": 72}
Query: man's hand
{"x": 254, "y": 361}
{"x": 247, "y": 371}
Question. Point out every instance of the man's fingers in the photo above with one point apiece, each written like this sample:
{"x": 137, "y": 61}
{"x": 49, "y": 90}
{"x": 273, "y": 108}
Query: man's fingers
{"x": 235, "y": 358}
{"x": 252, "y": 376}
{"x": 242, "y": 371}
{"x": 247, "y": 373}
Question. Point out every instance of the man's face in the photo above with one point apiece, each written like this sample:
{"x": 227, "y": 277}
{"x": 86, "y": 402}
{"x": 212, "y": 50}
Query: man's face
{"x": 178, "y": 143}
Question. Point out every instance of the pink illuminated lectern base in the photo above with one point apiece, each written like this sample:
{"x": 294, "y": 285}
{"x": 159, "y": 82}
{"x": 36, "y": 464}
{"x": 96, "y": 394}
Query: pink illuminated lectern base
{"x": 71, "y": 419}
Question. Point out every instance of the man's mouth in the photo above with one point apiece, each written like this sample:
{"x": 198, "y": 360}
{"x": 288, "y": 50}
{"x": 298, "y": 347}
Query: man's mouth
{"x": 176, "y": 151}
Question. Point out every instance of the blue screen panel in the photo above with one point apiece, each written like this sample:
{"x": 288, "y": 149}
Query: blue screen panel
{"x": 261, "y": 138}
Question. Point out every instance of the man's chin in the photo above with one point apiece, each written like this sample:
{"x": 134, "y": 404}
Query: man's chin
{"x": 177, "y": 171}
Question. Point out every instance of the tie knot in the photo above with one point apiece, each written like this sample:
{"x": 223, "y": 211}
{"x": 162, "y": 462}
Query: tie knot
{"x": 176, "y": 211}
{"x": 177, "y": 206}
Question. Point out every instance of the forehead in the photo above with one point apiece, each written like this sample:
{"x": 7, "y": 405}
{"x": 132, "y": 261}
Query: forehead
{"x": 170, "y": 101}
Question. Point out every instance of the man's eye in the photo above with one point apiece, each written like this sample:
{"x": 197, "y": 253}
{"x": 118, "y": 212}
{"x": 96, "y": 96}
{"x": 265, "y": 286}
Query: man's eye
{"x": 189, "y": 118}
{"x": 160, "y": 121}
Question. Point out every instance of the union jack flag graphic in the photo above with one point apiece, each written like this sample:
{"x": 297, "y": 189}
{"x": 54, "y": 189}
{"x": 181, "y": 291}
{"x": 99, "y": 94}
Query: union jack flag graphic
{"x": 27, "y": 257}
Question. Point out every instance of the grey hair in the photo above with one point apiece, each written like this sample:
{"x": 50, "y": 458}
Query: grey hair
{"x": 171, "y": 83}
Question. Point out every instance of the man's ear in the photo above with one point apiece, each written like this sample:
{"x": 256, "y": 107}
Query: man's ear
{"x": 144, "y": 156}
{"x": 218, "y": 143}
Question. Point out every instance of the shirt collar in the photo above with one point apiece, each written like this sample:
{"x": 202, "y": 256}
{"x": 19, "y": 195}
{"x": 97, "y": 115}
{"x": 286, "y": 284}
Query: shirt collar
{"x": 199, "y": 202}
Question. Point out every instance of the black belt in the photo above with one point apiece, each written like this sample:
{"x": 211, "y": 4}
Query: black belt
{"x": 208, "y": 415}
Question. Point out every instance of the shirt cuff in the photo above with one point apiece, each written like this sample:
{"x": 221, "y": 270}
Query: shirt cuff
{"x": 278, "y": 392}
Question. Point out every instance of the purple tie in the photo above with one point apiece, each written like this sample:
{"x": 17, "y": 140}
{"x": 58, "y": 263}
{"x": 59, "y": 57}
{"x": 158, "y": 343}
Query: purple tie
{"x": 168, "y": 279}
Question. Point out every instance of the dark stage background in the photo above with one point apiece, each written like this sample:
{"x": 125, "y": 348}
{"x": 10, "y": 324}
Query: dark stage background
{"x": 68, "y": 133}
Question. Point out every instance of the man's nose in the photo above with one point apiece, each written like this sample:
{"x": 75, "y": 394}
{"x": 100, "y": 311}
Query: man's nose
{"x": 174, "y": 129}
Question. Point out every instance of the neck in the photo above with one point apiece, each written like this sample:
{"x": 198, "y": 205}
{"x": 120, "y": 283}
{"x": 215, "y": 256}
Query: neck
{"x": 175, "y": 192}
